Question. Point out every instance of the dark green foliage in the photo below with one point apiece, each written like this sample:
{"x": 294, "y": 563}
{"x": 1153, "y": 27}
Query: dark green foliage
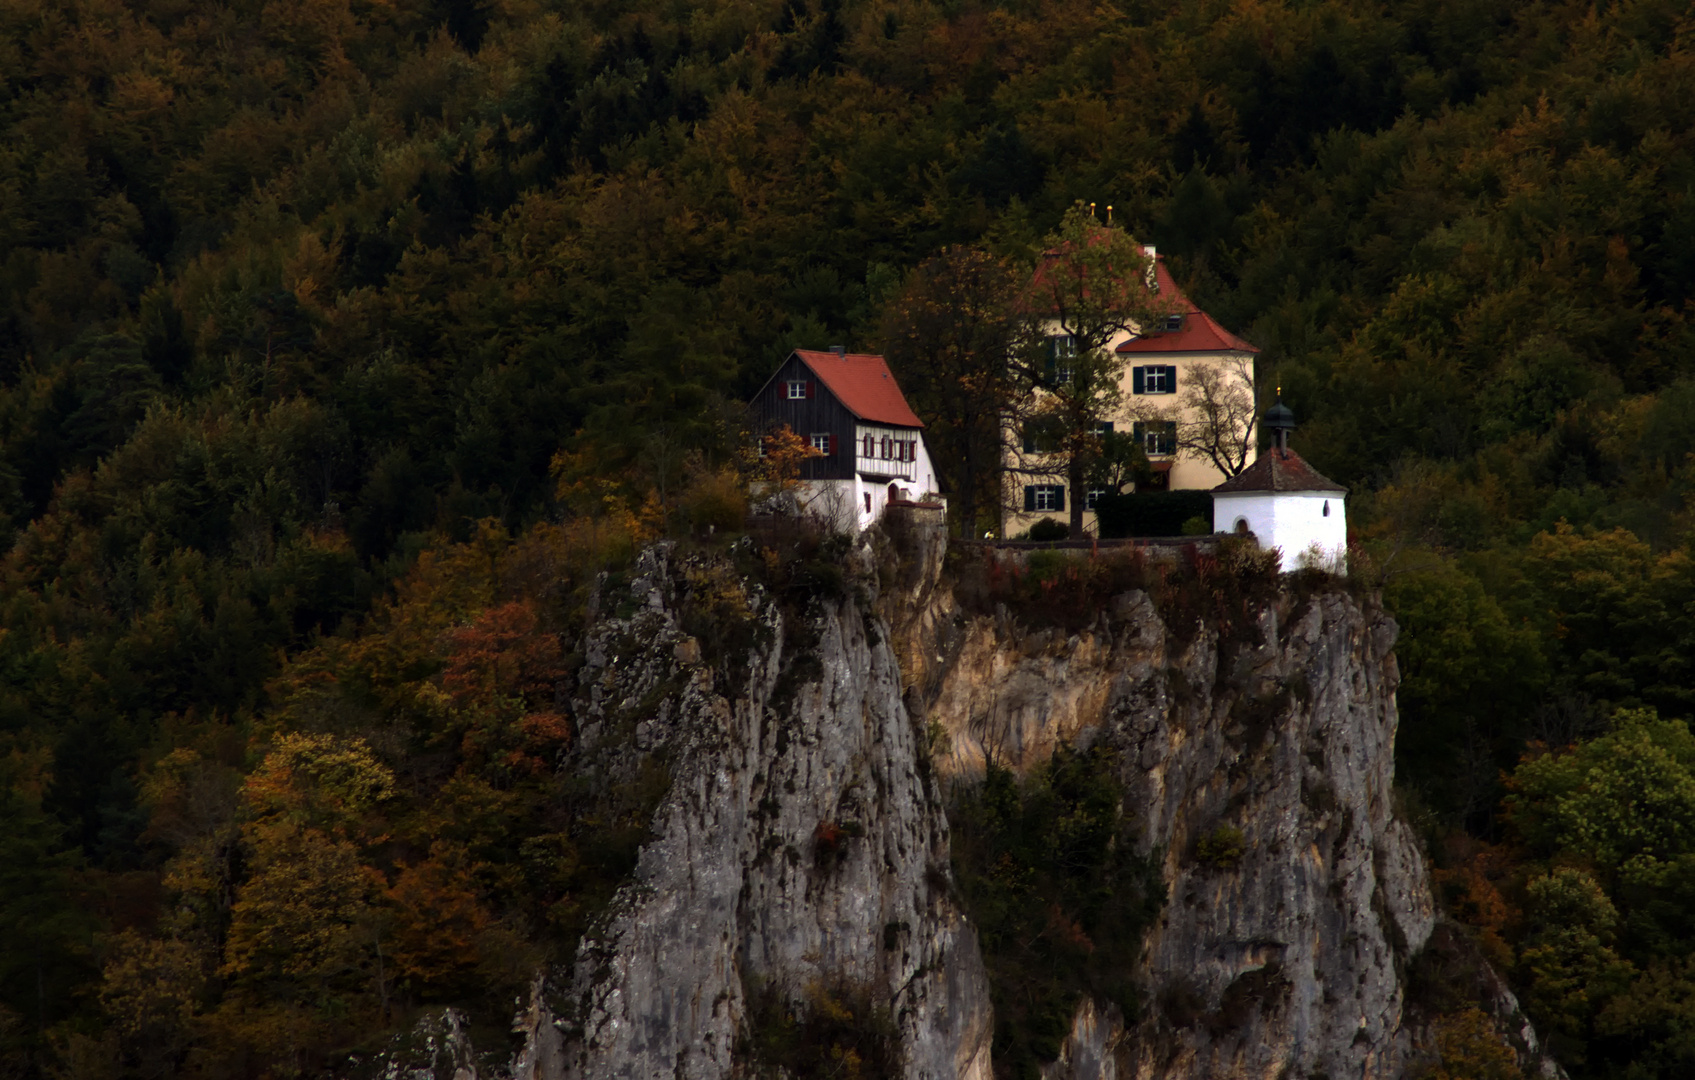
{"x": 1153, "y": 513}
{"x": 1048, "y": 529}
{"x": 1221, "y": 848}
{"x": 289, "y": 302}
{"x": 47, "y": 950}
{"x": 1050, "y": 875}
{"x": 835, "y": 1029}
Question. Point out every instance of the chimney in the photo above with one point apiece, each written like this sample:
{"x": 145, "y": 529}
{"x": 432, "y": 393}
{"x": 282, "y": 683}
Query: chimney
{"x": 839, "y": 350}
{"x": 1150, "y": 251}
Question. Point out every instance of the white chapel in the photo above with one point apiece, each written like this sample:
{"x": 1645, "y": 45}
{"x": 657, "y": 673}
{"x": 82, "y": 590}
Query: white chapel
{"x": 1285, "y": 502}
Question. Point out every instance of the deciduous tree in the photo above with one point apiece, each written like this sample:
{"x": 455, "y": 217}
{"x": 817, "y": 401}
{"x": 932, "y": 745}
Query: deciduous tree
{"x": 1089, "y": 287}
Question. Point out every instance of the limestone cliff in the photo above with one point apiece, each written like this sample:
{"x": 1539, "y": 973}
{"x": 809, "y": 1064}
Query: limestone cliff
{"x": 808, "y": 731}
{"x": 1281, "y": 949}
{"x": 802, "y": 848}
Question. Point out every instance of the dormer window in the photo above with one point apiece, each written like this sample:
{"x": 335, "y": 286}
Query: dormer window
{"x": 1173, "y": 323}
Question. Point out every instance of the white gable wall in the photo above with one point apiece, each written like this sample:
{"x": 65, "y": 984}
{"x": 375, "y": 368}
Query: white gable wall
{"x": 843, "y": 502}
{"x": 1291, "y": 521}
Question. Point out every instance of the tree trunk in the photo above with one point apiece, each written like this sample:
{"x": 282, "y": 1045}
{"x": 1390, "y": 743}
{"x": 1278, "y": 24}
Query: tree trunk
{"x": 967, "y": 499}
{"x": 1074, "y": 481}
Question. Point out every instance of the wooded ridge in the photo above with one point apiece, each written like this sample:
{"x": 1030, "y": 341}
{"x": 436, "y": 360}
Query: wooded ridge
{"x": 344, "y": 344}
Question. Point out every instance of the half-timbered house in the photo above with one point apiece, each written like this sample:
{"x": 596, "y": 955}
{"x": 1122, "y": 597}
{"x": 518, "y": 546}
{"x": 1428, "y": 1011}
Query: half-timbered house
{"x": 870, "y": 443}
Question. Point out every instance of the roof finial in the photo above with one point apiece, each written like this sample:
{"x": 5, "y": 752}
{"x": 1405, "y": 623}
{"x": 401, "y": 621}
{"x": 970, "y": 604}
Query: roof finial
{"x": 1109, "y": 213}
{"x": 1091, "y": 209}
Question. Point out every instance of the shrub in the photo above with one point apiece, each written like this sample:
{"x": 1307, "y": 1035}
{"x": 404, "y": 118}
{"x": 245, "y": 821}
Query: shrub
{"x": 1049, "y": 873}
{"x": 840, "y": 1029}
{"x": 1152, "y": 513}
{"x": 715, "y": 500}
{"x": 1222, "y": 848}
{"x": 1051, "y": 588}
{"x": 1048, "y": 529}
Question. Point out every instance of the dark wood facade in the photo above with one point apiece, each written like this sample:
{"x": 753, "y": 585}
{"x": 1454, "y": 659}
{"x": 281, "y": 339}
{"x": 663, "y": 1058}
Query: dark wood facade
{"x": 819, "y": 414}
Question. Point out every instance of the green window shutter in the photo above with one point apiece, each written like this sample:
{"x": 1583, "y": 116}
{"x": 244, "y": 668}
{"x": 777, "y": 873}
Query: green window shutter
{"x": 1029, "y": 498}
{"x": 1029, "y": 444}
{"x": 1171, "y": 380}
{"x": 1136, "y": 382}
{"x": 1059, "y": 496}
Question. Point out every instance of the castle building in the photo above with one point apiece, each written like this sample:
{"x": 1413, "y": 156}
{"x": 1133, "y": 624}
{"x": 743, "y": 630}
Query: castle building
{"x": 1285, "y": 503}
{"x": 870, "y": 443}
{"x": 1160, "y": 363}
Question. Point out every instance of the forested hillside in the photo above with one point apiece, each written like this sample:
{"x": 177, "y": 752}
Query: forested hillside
{"x": 343, "y": 342}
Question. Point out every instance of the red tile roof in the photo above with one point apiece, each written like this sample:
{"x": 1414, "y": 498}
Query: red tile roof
{"x": 1200, "y": 333}
{"x": 1278, "y": 470}
{"x": 863, "y": 383}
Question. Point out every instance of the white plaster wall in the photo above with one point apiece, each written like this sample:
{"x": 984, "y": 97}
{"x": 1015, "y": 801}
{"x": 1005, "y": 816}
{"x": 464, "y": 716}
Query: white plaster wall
{"x": 842, "y": 502}
{"x": 1291, "y": 521}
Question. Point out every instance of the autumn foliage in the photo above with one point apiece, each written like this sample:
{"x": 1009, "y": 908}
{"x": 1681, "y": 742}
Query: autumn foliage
{"x": 343, "y": 344}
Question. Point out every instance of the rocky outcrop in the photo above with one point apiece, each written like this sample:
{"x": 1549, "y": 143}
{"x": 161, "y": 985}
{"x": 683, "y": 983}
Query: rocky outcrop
{"x": 807, "y": 732}
{"x": 801, "y": 849}
{"x": 1262, "y": 773}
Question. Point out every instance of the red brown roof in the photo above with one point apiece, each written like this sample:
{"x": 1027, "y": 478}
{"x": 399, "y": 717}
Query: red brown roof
{"x": 1200, "y": 332}
{"x": 1278, "y": 470}
{"x": 862, "y": 382}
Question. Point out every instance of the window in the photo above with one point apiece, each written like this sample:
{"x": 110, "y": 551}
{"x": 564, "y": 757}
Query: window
{"x": 799, "y": 389}
{"x": 1173, "y": 323}
{"x": 867, "y": 502}
{"x": 870, "y": 447}
{"x": 885, "y": 454}
{"x": 1092, "y": 496}
{"x": 824, "y": 443}
{"x": 1044, "y": 498}
{"x": 1158, "y": 438}
{"x": 1062, "y": 350}
{"x": 1039, "y": 438}
{"x": 1153, "y": 379}
{"x": 1101, "y": 429}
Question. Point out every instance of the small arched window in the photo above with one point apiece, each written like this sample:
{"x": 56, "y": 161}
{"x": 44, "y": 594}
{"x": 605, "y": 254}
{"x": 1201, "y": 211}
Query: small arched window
{"x": 1242, "y": 526}
{"x": 1326, "y": 507}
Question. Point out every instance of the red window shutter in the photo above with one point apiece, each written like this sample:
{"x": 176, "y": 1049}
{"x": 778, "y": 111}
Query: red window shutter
{"x": 811, "y": 388}
{"x": 832, "y": 445}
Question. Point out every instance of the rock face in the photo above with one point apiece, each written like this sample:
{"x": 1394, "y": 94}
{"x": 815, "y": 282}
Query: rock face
{"x": 802, "y": 847}
{"x": 1263, "y": 775}
{"x": 801, "y": 850}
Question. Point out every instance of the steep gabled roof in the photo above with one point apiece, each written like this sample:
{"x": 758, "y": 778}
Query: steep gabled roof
{"x": 1200, "y": 333}
{"x": 863, "y": 384}
{"x": 1278, "y": 470}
